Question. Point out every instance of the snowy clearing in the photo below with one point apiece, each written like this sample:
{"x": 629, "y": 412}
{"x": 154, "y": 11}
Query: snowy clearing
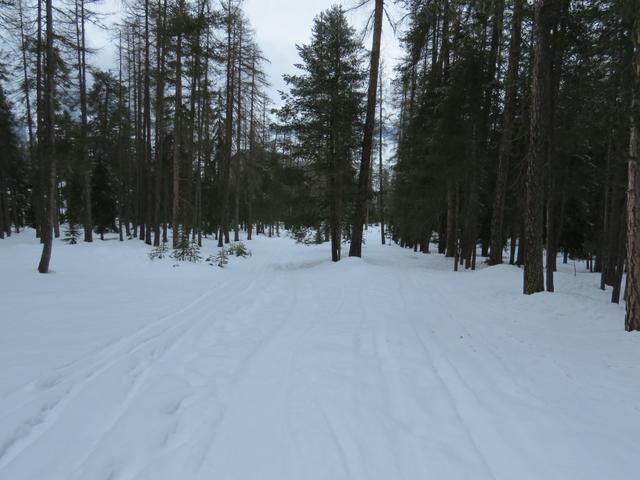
{"x": 286, "y": 366}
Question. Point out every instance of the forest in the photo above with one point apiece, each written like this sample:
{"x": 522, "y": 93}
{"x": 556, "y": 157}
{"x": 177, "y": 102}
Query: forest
{"x": 319, "y": 239}
{"x": 512, "y": 127}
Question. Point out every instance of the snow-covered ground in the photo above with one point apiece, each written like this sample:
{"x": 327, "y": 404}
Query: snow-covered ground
{"x": 286, "y": 366}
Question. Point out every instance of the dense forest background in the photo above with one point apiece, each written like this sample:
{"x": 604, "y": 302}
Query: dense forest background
{"x": 515, "y": 124}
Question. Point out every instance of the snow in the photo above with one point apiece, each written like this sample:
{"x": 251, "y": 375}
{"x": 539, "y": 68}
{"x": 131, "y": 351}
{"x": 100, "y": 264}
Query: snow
{"x": 286, "y": 366}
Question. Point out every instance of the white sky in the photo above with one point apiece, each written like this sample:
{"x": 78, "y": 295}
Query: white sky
{"x": 279, "y": 25}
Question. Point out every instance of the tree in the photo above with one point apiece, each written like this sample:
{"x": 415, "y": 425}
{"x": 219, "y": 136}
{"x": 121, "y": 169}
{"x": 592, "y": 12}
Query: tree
{"x": 80, "y": 20}
{"x": 47, "y": 140}
{"x": 508, "y": 133}
{"x": 325, "y": 101}
{"x": 177, "y": 128}
{"x": 538, "y": 146}
{"x": 364, "y": 183}
{"x": 231, "y": 14}
{"x": 380, "y": 167}
{"x": 9, "y": 165}
{"x": 632, "y": 319}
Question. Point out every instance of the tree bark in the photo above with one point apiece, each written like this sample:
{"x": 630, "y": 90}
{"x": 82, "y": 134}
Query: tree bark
{"x": 87, "y": 221}
{"x": 237, "y": 164}
{"x": 48, "y": 150}
{"x": 228, "y": 132}
{"x": 451, "y": 220}
{"x": 538, "y": 148}
{"x": 177, "y": 137}
{"x": 632, "y": 318}
{"x": 362, "y": 196}
{"x": 380, "y": 167}
{"x": 508, "y": 134}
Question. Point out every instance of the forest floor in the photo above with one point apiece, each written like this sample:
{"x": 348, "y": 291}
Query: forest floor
{"x": 286, "y": 366}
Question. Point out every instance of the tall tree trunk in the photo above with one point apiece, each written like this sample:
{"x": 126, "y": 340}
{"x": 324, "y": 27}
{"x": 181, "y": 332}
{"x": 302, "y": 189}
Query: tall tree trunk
{"x": 606, "y": 220}
{"x": 26, "y": 83}
{"x": 362, "y": 196}
{"x": 557, "y": 54}
{"x": 177, "y": 141}
{"x": 538, "y": 147}
{"x": 380, "y": 167}
{"x": 250, "y": 166}
{"x": 148, "y": 168}
{"x": 632, "y": 318}
{"x": 508, "y": 136}
{"x": 87, "y": 221}
{"x": 237, "y": 164}
{"x": 122, "y": 141}
{"x": 619, "y": 267}
{"x": 160, "y": 120}
{"x": 228, "y": 131}
{"x": 140, "y": 155}
{"x": 451, "y": 219}
{"x": 48, "y": 150}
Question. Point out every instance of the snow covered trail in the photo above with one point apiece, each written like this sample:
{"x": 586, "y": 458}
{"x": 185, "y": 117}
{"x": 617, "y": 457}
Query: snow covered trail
{"x": 286, "y": 366}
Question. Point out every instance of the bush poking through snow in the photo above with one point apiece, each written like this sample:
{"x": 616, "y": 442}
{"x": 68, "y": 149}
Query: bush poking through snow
{"x": 239, "y": 249}
{"x": 186, "y": 251}
{"x": 220, "y": 259}
{"x": 159, "y": 252}
{"x": 307, "y": 235}
{"x": 71, "y": 234}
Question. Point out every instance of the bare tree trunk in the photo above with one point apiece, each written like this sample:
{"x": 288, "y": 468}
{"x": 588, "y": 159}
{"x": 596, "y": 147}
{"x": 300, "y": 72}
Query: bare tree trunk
{"x": 228, "y": 131}
{"x": 606, "y": 251}
{"x": 451, "y": 219}
{"x": 538, "y": 147}
{"x": 237, "y": 164}
{"x": 48, "y": 140}
{"x": 160, "y": 123}
{"x": 177, "y": 134}
{"x": 553, "y": 228}
{"x": 148, "y": 168}
{"x": 26, "y": 82}
{"x": 619, "y": 267}
{"x": 632, "y": 318}
{"x": 87, "y": 221}
{"x": 362, "y": 196}
{"x": 380, "y": 167}
{"x": 250, "y": 158}
{"x": 508, "y": 134}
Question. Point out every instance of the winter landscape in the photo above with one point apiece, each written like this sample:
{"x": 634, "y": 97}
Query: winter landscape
{"x": 319, "y": 240}
{"x": 285, "y": 365}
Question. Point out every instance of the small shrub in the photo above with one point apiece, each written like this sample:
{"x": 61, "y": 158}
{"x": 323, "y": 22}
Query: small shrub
{"x": 71, "y": 234}
{"x": 187, "y": 251}
{"x": 239, "y": 249}
{"x": 159, "y": 252}
{"x": 220, "y": 259}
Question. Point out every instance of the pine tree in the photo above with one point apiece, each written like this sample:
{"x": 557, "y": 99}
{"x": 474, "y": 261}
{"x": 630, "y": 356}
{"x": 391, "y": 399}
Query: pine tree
{"x": 10, "y": 161}
{"x": 325, "y": 103}
{"x": 71, "y": 233}
{"x": 632, "y": 319}
{"x": 186, "y": 250}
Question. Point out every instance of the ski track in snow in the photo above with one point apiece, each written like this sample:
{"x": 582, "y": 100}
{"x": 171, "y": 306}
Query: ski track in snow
{"x": 286, "y": 366}
{"x": 108, "y": 358}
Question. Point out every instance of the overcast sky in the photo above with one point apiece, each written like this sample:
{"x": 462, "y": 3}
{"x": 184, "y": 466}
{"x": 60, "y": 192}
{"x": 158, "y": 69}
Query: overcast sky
{"x": 279, "y": 25}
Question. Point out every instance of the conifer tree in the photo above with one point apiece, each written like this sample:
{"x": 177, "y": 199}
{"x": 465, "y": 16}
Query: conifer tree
{"x": 325, "y": 101}
{"x": 632, "y": 319}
